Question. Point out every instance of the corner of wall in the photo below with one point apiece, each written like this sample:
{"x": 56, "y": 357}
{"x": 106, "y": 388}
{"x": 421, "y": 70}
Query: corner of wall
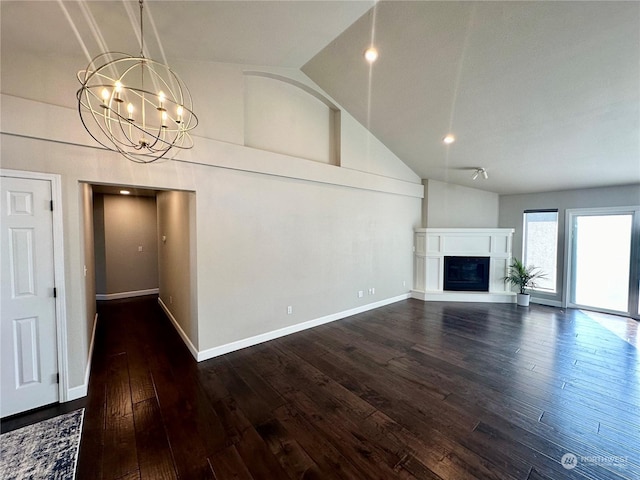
{"x": 187, "y": 341}
{"x": 82, "y": 390}
{"x": 425, "y": 203}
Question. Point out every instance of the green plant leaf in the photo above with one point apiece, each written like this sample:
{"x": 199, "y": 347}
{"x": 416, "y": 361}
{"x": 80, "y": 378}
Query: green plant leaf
{"x": 522, "y": 276}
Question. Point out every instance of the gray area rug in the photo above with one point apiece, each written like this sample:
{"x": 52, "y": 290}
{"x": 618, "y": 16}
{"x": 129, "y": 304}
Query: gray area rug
{"x": 45, "y": 450}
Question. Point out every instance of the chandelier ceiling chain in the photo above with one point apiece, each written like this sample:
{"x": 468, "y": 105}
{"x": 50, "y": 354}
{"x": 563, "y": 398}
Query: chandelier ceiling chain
{"x": 141, "y": 31}
{"x": 121, "y": 113}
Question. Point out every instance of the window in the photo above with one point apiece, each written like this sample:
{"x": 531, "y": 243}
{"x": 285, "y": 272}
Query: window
{"x": 540, "y": 247}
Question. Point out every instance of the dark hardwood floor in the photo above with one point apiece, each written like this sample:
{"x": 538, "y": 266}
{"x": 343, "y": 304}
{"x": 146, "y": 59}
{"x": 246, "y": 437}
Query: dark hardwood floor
{"x": 411, "y": 390}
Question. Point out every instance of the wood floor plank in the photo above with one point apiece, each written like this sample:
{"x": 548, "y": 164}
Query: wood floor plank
{"x": 291, "y": 456}
{"x": 133, "y": 475}
{"x": 120, "y": 453}
{"x": 91, "y": 452}
{"x": 332, "y": 462}
{"x": 141, "y": 383}
{"x": 233, "y": 420}
{"x": 253, "y": 405}
{"x": 120, "y": 457}
{"x": 258, "y": 457}
{"x": 255, "y": 381}
{"x": 289, "y": 373}
{"x": 154, "y": 453}
{"x": 179, "y": 412}
{"x": 118, "y": 399}
{"x": 366, "y": 456}
{"x": 427, "y": 390}
{"x": 228, "y": 465}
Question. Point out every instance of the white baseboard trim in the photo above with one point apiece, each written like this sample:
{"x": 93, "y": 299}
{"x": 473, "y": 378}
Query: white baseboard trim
{"x": 82, "y": 390}
{"x": 547, "y": 302}
{"x": 298, "y": 327}
{"x": 135, "y": 293}
{"x": 75, "y": 393}
{"x": 176, "y": 325}
{"x": 482, "y": 297}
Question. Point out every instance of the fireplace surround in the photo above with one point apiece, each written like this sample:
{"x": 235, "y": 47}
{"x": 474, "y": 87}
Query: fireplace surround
{"x": 434, "y": 245}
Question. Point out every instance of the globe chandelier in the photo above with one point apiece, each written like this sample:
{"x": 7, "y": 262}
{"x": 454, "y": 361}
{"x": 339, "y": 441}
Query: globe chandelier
{"x": 135, "y": 105}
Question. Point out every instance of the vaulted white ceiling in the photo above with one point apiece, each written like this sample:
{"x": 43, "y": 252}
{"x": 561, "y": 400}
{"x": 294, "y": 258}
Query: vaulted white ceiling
{"x": 544, "y": 95}
{"x": 274, "y": 33}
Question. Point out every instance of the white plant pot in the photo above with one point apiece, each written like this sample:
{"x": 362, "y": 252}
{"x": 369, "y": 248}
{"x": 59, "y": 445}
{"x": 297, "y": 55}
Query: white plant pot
{"x": 523, "y": 299}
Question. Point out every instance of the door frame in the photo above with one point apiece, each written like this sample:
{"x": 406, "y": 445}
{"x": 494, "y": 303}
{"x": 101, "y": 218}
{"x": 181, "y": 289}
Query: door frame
{"x": 58, "y": 270}
{"x": 634, "y": 273}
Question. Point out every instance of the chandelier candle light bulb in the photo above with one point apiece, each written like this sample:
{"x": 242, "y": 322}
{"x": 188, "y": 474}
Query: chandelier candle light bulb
{"x": 161, "y": 99}
{"x": 116, "y": 94}
{"x": 105, "y": 98}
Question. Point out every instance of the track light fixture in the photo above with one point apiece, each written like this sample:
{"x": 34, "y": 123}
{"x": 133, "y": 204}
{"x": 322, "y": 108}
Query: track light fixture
{"x": 480, "y": 171}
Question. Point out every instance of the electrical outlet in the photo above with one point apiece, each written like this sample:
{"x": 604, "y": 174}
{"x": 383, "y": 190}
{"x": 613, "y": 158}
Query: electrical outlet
{"x": 289, "y": 310}
{"x": 139, "y": 248}
{"x": 360, "y": 293}
{"x": 373, "y": 290}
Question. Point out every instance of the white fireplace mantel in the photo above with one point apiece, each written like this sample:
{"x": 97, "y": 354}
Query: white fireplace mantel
{"x": 433, "y": 244}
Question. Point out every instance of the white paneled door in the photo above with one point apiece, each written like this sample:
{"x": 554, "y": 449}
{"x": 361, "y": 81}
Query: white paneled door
{"x": 28, "y": 323}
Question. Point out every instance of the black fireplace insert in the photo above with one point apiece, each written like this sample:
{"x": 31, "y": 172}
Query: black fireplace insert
{"x": 466, "y": 274}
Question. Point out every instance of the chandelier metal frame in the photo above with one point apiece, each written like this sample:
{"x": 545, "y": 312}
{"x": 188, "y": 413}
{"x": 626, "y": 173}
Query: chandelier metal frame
{"x": 122, "y": 114}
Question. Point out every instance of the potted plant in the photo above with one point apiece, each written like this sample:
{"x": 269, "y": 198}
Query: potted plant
{"x": 523, "y": 277}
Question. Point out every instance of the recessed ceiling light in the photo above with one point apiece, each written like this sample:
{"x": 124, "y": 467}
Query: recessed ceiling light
{"x": 125, "y": 192}
{"x": 449, "y": 139}
{"x": 371, "y": 54}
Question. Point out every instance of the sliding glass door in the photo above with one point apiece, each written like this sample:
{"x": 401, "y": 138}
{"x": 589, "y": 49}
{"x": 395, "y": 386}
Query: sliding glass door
{"x": 603, "y": 272}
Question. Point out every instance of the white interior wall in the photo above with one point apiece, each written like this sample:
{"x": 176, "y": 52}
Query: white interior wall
{"x": 272, "y": 230}
{"x": 308, "y": 245}
{"x": 99, "y": 260}
{"x": 512, "y": 208}
{"x": 280, "y": 117}
{"x": 218, "y": 93}
{"x": 446, "y": 205}
{"x": 176, "y": 272}
{"x": 130, "y": 223}
{"x": 86, "y": 193}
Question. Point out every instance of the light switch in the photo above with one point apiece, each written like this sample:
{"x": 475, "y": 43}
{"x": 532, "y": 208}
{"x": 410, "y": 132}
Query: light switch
{"x": 139, "y": 248}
